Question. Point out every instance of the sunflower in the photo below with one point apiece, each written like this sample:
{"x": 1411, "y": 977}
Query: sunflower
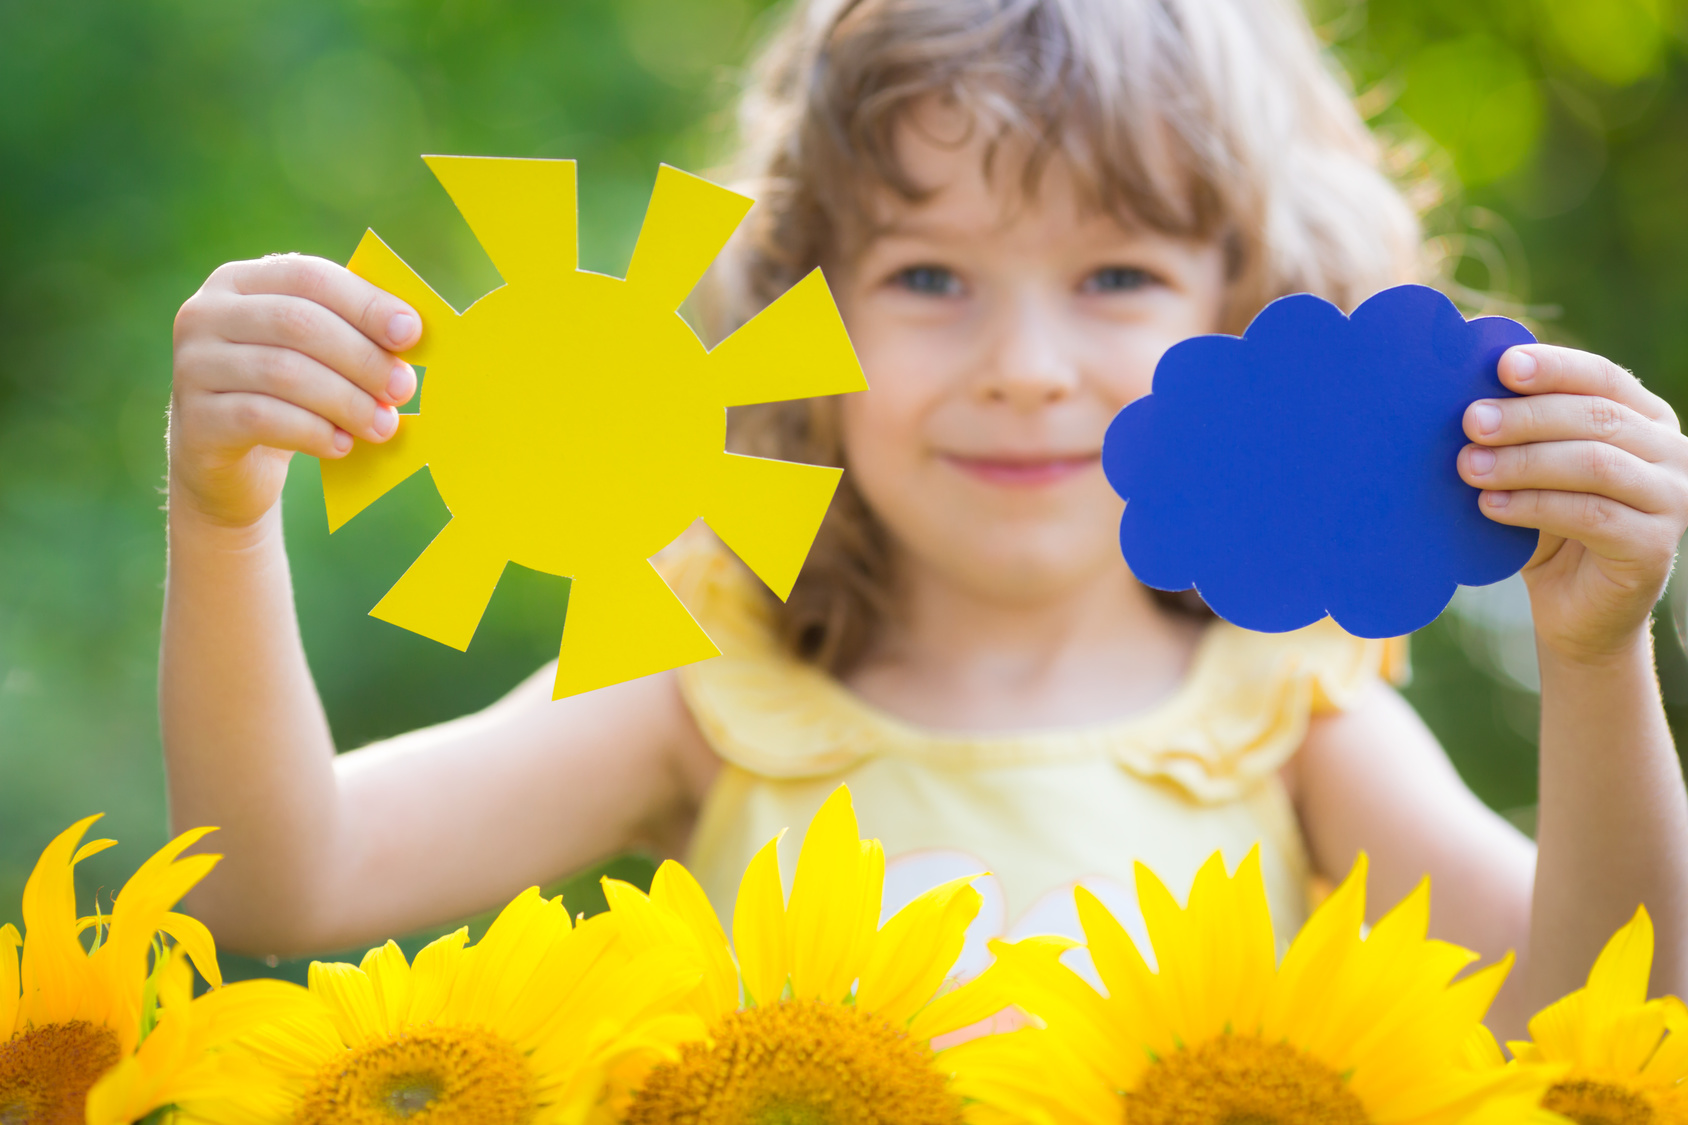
{"x": 1346, "y": 1031}
{"x": 73, "y": 1018}
{"x": 1623, "y": 1057}
{"x": 520, "y": 1028}
{"x": 839, "y": 1011}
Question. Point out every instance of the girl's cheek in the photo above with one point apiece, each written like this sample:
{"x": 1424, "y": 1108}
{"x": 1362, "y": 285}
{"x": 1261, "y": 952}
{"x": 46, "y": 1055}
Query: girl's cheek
{"x": 880, "y": 425}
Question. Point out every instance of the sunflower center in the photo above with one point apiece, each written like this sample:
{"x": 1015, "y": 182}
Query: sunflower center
{"x": 410, "y": 1094}
{"x": 801, "y": 1062}
{"x": 46, "y": 1073}
{"x": 1242, "y": 1080}
{"x": 1597, "y": 1103}
{"x": 424, "y": 1076}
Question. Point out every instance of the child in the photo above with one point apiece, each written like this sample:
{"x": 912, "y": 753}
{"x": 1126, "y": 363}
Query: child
{"x": 1020, "y": 204}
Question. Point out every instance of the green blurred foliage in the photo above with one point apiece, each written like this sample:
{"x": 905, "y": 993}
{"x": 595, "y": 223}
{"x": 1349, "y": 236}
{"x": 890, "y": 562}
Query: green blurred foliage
{"x": 144, "y": 142}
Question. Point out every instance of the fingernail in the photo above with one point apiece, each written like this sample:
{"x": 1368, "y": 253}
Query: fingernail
{"x": 1497, "y": 499}
{"x": 401, "y": 384}
{"x": 342, "y": 441}
{"x": 386, "y": 421}
{"x": 402, "y": 328}
{"x": 1480, "y": 461}
{"x": 1523, "y": 366}
{"x": 1487, "y": 417}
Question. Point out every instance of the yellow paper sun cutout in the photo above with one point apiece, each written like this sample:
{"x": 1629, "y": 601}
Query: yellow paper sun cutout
{"x": 573, "y": 423}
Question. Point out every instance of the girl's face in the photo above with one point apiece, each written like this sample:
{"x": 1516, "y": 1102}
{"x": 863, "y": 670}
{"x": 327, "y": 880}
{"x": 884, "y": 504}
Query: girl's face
{"x": 1000, "y": 336}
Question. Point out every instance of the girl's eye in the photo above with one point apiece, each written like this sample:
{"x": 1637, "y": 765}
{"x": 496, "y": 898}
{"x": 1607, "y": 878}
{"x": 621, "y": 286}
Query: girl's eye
{"x": 1118, "y": 279}
{"x": 933, "y": 281}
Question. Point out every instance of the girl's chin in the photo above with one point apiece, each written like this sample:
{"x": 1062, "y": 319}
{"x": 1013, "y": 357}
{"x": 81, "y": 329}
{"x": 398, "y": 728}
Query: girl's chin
{"x": 1030, "y": 562}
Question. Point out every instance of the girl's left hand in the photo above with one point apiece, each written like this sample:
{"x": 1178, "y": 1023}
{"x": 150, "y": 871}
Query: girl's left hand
{"x": 1599, "y": 465}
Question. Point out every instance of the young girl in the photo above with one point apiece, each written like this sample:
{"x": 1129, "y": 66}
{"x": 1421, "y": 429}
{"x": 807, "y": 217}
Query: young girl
{"x": 1020, "y": 204}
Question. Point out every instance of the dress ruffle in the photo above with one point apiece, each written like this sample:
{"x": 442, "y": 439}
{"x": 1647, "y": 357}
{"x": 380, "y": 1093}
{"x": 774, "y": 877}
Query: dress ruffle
{"x": 1240, "y": 713}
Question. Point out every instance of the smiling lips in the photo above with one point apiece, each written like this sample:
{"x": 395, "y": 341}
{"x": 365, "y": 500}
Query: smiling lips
{"x": 1023, "y": 472}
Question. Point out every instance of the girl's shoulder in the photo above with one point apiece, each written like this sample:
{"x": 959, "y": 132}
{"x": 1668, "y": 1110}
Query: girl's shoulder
{"x": 1241, "y": 712}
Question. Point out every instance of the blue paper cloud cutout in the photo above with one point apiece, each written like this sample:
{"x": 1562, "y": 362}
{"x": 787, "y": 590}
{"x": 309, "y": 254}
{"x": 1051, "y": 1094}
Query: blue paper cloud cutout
{"x": 1309, "y": 466}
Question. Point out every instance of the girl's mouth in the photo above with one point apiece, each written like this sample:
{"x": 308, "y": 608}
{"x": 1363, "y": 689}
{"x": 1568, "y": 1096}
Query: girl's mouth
{"x": 1023, "y": 472}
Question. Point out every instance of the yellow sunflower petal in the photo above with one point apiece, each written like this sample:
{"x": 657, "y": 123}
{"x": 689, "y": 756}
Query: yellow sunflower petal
{"x": 675, "y": 889}
{"x": 595, "y": 987}
{"x": 759, "y": 933}
{"x": 1244, "y": 950}
{"x": 174, "y": 1064}
{"x": 647, "y": 925}
{"x": 54, "y": 975}
{"x": 1217, "y": 957}
{"x": 349, "y": 996}
{"x": 1136, "y": 1000}
{"x": 92, "y": 847}
{"x": 175, "y": 980}
{"x": 1632, "y": 1038}
{"x": 9, "y": 942}
{"x": 119, "y": 965}
{"x": 292, "y": 1048}
{"x": 1162, "y": 915}
{"x": 434, "y": 974}
{"x": 1467, "y": 1001}
{"x": 1078, "y": 1017}
{"x": 496, "y": 970}
{"x": 1619, "y": 976}
{"x": 978, "y": 999}
{"x": 1669, "y": 1064}
{"x": 1577, "y": 1028}
{"x": 251, "y": 1095}
{"x": 1028, "y": 1077}
{"x": 828, "y": 911}
{"x": 1556, "y": 1032}
{"x": 1314, "y": 960}
{"x": 1404, "y": 1061}
{"x": 390, "y": 976}
{"x": 190, "y": 933}
{"x": 916, "y": 949}
{"x": 1480, "y": 1051}
{"x": 644, "y": 924}
{"x": 578, "y": 960}
{"x": 870, "y": 870}
{"x": 155, "y": 887}
{"x": 1388, "y": 980}
{"x": 594, "y": 1022}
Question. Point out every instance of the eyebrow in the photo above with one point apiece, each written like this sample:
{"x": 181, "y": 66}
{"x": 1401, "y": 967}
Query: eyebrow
{"x": 922, "y": 228}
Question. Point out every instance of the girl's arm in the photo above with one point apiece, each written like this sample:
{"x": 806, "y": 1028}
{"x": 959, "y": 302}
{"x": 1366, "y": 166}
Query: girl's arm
{"x": 1599, "y": 465}
{"x": 323, "y": 851}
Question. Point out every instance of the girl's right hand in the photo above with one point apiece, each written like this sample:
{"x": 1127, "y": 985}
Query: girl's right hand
{"x": 280, "y": 355}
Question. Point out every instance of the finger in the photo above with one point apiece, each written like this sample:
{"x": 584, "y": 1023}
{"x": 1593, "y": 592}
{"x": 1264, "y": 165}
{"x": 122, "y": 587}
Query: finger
{"x": 1564, "y": 417}
{"x": 312, "y": 329}
{"x": 239, "y": 420}
{"x": 296, "y": 378}
{"x": 1608, "y": 528}
{"x": 1532, "y": 369}
{"x": 376, "y": 313}
{"x": 1571, "y": 466}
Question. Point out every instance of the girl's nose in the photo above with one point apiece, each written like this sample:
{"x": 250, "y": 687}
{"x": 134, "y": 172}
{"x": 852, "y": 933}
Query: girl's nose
{"x": 1031, "y": 365}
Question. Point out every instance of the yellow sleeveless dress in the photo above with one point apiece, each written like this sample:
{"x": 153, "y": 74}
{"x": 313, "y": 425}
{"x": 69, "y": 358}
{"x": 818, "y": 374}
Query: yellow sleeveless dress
{"x": 1040, "y": 810}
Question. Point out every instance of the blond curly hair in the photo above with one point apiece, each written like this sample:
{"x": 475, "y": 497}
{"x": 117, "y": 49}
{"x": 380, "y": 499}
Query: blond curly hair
{"x": 1215, "y": 120}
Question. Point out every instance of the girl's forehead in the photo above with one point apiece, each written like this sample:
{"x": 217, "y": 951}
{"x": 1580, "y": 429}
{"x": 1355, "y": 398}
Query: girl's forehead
{"x": 971, "y": 175}
{"x": 975, "y": 185}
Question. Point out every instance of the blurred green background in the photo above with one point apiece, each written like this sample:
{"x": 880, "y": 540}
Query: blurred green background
{"x": 143, "y": 142}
